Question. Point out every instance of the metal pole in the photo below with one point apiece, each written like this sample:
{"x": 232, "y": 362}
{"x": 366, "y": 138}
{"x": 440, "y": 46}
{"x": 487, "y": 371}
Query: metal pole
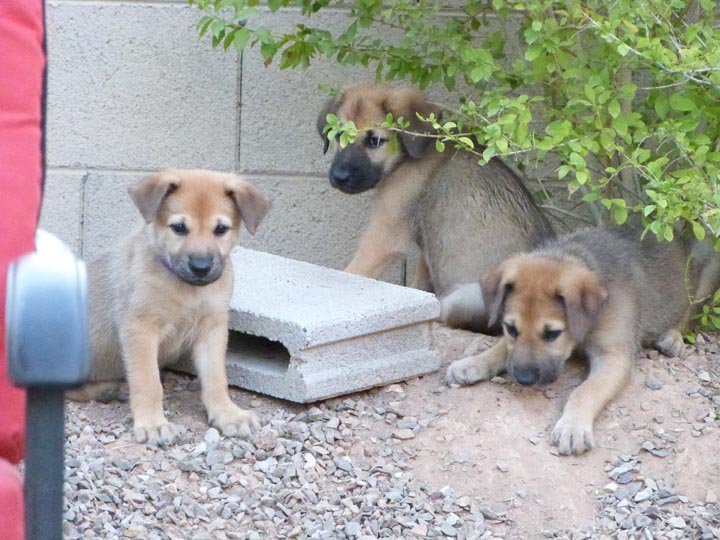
{"x": 44, "y": 463}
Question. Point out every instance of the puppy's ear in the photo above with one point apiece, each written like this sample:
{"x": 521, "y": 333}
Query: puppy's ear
{"x": 583, "y": 297}
{"x": 408, "y": 103}
{"x": 150, "y": 192}
{"x": 496, "y": 286}
{"x": 250, "y": 202}
{"x": 331, "y": 106}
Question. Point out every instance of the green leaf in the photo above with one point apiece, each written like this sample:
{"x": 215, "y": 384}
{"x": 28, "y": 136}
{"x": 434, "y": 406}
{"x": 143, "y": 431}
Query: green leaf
{"x": 614, "y": 108}
{"x": 620, "y": 215}
{"x": 466, "y": 141}
{"x": 698, "y": 231}
{"x": 533, "y": 52}
{"x": 439, "y": 145}
{"x": 680, "y": 102}
{"x": 668, "y": 233}
{"x": 241, "y": 38}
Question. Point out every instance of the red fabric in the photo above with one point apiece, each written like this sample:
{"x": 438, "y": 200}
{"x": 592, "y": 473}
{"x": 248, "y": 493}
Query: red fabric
{"x": 11, "y": 503}
{"x": 22, "y": 62}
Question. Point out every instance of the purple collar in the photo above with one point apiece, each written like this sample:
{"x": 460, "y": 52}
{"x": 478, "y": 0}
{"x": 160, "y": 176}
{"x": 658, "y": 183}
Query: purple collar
{"x": 166, "y": 264}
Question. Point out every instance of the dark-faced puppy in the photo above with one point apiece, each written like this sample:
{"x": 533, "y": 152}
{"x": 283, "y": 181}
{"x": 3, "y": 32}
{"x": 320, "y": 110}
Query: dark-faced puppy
{"x": 599, "y": 293}
{"x": 377, "y": 151}
{"x": 165, "y": 293}
{"x": 465, "y": 219}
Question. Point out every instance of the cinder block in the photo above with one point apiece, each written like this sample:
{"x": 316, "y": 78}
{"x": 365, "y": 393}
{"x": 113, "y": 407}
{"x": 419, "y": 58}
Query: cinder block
{"x": 131, "y": 86}
{"x": 329, "y": 332}
{"x": 61, "y": 211}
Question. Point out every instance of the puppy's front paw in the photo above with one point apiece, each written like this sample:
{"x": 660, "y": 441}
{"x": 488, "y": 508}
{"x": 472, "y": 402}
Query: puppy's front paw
{"x": 572, "y": 435}
{"x": 671, "y": 344}
{"x": 157, "y": 435}
{"x": 234, "y": 421}
{"x": 468, "y": 371}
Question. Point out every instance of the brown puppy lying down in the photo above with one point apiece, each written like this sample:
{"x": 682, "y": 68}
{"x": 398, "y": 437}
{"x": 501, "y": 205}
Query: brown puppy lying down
{"x": 165, "y": 292}
{"x": 600, "y": 293}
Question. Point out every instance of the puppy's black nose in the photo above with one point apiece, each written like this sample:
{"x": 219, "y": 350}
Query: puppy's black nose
{"x": 340, "y": 174}
{"x": 526, "y": 375}
{"x": 200, "y": 266}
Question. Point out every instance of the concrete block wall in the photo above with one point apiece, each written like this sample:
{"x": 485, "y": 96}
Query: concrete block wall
{"x": 131, "y": 89}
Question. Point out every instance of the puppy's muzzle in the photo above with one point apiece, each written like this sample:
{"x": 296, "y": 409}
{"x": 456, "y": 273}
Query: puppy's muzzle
{"x": 196, "y": 269}
{"x": 528, "y": 375}
{"x": 200, "y": 266}
{"x": 339, "y": 175}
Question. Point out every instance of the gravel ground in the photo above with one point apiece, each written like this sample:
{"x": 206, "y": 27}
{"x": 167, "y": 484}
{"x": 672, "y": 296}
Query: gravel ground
{"x": 411, "y": 460}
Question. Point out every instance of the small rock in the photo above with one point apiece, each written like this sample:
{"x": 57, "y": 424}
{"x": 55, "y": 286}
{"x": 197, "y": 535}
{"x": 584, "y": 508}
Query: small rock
{"x": 420, "y": 530}
{"x": 653, "y": 384}
{"x": 408, "y": 422}
{"x": 353, "y": 528}
{"x": 403, "y": 434}
{"x": 212, "y": 436}
{"x": 448, "y": 530}
{"x": 343, "y": 464}
{"x": 676, "y": 522}
{"x": 502, "y": 467}
{"x": 643, "y": 495}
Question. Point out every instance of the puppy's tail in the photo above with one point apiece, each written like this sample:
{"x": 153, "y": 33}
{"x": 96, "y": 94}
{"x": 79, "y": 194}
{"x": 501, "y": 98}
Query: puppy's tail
{"x": 464, "y": 307}
{"x": 103, "y": 392}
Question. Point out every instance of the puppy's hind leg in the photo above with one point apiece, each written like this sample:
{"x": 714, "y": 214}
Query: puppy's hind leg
{"x": 104, "y": 392}
{"x": 480, "y": 367}
{"x": 671, "y": 343}
{"x": 209, "y": 357}
{"x": 421, "y": 280}
{"x": 463, "y": 307}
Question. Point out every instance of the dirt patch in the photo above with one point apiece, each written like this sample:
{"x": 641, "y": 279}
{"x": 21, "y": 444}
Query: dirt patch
{"x": 492, "y": 440}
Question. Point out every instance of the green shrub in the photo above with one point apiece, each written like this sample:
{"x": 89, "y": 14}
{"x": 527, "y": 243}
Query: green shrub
{"x": 624, "y": 93}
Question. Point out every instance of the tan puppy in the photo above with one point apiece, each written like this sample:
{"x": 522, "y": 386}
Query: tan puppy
{"x": 598, "y": 293}
{"x": 465, "y": 218}
{"x": 165, "y": 292}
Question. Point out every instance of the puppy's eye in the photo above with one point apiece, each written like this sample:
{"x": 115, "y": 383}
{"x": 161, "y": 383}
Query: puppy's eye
{"x": 221, "y": 229}
{"x": 511, "y": 330}
{"x": 375, "y": 142}
{"x": 551, "y": 335}
{"x": 179, "y": 228}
